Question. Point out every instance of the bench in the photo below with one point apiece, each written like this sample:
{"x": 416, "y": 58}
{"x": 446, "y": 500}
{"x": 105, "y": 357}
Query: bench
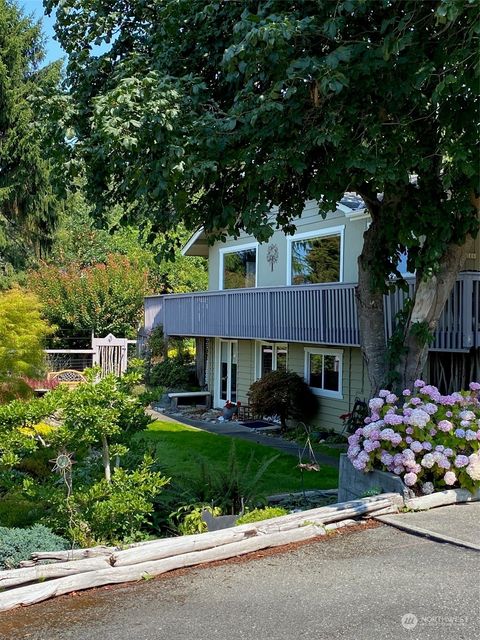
{"x": 174, "y": 397}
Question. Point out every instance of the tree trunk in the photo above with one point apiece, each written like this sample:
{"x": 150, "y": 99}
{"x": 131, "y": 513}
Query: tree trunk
{"x": 106, "y": 459}
{"x": 371, "y": 313}
{"x": 431, "y": 294}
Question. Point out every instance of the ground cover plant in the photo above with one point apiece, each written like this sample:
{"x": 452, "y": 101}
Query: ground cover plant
{"x": 430, "y": 440}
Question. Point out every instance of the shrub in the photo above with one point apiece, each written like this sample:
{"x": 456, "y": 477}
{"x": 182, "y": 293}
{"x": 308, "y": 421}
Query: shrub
{"x": 430, "y": 440}
{"x": 119, "y": 510}
{"x": 170, "y": 373}
{"x": 190, "y": 520}
{"x": 17, "y": 544}
{"x": 262, "y": 514}
{"x": 22, "y": 332}
{"x": 285, "y": 394}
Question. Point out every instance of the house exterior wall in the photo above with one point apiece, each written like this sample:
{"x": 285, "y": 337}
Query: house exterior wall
{"x": 310, "y": 221}
{"x": 354, "y": 377}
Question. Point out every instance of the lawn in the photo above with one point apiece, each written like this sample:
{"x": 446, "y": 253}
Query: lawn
{"x": 179, "y": 448}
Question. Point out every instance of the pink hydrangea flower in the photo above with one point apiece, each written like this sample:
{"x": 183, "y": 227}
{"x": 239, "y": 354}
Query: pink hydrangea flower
{"x": 445, "y": 425}
{"x": 473, "y": 468}
{"x": 450, "y": 478}
{"x": 410, "y": 479}
{"x": 474, "y": 386}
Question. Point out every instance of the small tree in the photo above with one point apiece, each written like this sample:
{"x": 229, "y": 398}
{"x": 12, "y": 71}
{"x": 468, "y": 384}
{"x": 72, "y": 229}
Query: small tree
{"x": 22, "y": 331}
{"x": 285, "y": 394}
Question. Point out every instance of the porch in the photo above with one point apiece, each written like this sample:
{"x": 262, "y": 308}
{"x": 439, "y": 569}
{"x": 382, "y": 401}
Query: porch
{"x": 316, "y": 314}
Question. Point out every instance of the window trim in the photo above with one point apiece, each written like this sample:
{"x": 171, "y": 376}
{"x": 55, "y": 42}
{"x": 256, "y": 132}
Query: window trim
{"x": 318, "y": 233}
{"x": 236, "y": 249}
{"x": 258, "y": 355}
{"x": 324, "y": 393}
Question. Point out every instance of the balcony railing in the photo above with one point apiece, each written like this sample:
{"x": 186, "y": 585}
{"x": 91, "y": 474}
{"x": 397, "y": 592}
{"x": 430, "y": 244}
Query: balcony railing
{"x": 316, "y": 314}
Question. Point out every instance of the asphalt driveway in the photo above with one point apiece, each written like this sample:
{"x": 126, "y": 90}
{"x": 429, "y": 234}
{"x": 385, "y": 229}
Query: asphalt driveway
{"x": 375, "y": 584}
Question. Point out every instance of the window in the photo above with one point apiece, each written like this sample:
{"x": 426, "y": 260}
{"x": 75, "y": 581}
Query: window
{"x": 316, "y": 257}
{"x": 323, "y": 371}
{"x": 273, "y": 357}
{"x": 238, "y": 267}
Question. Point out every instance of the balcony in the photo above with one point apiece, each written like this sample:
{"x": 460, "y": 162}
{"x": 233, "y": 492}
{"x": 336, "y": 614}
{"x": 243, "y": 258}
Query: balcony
{"x": 316, "y": 314}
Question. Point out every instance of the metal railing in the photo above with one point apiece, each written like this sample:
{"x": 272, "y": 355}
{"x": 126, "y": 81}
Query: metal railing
{"x": 316, "y": 314}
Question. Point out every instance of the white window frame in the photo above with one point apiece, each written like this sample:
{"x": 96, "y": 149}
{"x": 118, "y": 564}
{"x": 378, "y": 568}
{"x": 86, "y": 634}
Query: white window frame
{"x": 258, "y": 355}
{"x": 325, "y": 393}
{"x": 236, "y": 249}
{"x": 318, "y": 233}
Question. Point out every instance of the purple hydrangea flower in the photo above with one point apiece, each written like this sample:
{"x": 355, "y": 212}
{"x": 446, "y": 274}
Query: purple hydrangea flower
{"x": 448, "y": 452}
{"x": 419, "y": 384}
{"x": 409, "y": 430}
{"x": 409, "y": 439}
{"x": 430, "y": 408}
{"x": 391, "y": 398}
{"x": 410, "y": 479}
{"x": 433, "y": 432}
{"x": 416, "y": 401}
{"x": 474, "y": 386}
{"x": 427, "y": 446}
{"x": 376, "y": 404}
{"x": 416, "y": 446}
{"x": 461, "y": 461}
{"x": 470, "y": 435}
{"x": 467, "y": 415}
{"x": 406, "y": 392}
{"x": 444, "y": 463}
{"x": 427, "y": 488}
{"x": 387, "y": 458}
{"x": 460, "y": 433}
{"x": 393, "y": 418}
{"x": 383, "y": 393}
{"x": 445, "y": 425}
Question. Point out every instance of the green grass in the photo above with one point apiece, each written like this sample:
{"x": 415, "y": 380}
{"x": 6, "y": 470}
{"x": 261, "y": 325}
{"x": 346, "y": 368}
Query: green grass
{"x": 333, "y": 452}
{"x": 179, "y": 449}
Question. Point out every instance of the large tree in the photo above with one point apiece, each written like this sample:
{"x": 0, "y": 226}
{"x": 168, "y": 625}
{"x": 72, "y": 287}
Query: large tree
{"x": 27, "y": 204}
{"x": 213, "y": 112}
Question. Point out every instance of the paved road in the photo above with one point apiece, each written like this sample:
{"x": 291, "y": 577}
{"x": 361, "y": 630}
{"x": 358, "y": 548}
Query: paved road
{"x": 357, "y": 586}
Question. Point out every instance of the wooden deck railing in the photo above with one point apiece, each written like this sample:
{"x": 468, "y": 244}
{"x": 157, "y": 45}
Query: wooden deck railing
{"x": 316, "y": 314}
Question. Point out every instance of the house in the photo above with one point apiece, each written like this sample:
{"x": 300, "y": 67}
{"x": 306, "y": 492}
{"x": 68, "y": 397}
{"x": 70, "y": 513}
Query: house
{"x": 290, "y": 304}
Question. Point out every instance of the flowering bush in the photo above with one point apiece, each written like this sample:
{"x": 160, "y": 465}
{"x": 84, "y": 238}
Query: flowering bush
{"x": 428, "y": 439}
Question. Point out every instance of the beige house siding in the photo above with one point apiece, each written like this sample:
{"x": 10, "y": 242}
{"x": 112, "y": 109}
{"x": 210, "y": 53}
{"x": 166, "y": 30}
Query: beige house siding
{"x": 311, "y": 220}
{"x": 354, "y": 383}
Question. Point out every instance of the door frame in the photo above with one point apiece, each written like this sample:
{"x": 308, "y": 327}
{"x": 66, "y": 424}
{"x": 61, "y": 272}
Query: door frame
{"x": 217, "y": 400}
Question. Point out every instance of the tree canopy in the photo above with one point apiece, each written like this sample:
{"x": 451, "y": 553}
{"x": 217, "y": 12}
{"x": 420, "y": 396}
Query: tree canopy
{"x": 28, "y": 208}
{"x": 212, "y": 114}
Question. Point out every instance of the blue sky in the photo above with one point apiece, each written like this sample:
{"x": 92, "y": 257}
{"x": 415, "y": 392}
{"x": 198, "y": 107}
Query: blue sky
{"x": 35, "y": 8}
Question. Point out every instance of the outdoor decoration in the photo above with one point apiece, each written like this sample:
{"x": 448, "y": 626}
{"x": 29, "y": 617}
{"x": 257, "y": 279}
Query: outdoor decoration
{"x": 272, "y": 254}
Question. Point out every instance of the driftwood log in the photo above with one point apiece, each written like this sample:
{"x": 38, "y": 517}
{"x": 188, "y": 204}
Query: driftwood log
{"x": 87, "y": 568}
{"x": 441, "y": 499}
{"x": 37, "y": 592}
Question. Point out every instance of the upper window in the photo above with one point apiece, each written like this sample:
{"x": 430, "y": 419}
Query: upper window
{"x": 316, "y": 257}
{"x": 238, "y": 267}
{"x": 323, "y": 371}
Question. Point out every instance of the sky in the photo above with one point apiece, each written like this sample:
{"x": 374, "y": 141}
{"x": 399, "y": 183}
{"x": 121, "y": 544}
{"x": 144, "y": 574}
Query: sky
{"x": 35, "y": 8}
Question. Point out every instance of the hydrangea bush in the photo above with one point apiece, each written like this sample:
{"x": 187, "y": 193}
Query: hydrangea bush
{"x": 430, "y": 440}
